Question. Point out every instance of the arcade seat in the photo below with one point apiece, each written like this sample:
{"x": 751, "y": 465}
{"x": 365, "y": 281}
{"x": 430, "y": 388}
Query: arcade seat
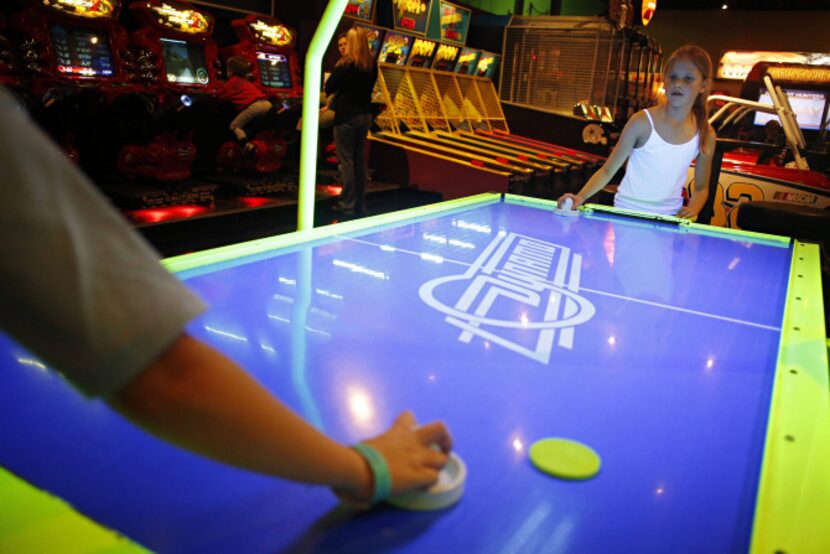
{"x": 275, "y": 138}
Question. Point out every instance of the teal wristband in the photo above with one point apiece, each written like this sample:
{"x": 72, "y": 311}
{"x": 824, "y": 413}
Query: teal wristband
{"x": 380, "y": 470}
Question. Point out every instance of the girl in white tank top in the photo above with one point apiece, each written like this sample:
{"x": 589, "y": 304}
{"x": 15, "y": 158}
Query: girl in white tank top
{"x": 655, "y": 174}
{"x": 661, "y": 142}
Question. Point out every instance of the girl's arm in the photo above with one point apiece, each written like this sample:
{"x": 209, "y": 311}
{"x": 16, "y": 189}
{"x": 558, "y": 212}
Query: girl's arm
{"x": 634, "y": 134}
{"x": 703, "y": 168}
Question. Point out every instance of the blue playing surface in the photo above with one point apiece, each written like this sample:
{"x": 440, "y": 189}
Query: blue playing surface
{"x": 652, "y": 344}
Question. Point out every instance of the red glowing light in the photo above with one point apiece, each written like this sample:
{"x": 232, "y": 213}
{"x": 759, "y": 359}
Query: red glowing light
{"x": 255, "y": 201}
{"x": 156, "y": 215}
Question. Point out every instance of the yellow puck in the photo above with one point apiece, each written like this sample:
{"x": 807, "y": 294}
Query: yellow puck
{"x": 564, "y": 458}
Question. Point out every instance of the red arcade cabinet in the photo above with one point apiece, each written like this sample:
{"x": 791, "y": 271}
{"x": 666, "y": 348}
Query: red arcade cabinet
{"x": 9, "y": 66}
{"x": 269, "y": 46}
{"x": 179, "y": 62}
{"x": 78, "y": 59}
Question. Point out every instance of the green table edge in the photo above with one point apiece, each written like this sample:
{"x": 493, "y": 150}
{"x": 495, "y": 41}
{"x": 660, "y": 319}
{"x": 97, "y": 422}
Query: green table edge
{"x": 685, "y": 224}
{"x": 36, "y": 521}
{"x": 792, "y": 508}
{"x": 296, "y": 238}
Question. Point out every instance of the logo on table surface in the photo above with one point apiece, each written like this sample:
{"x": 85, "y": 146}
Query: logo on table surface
{"x": 520, "y": 293}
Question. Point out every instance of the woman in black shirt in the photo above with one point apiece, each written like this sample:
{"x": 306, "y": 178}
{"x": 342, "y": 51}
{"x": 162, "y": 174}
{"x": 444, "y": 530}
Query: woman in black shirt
{"x": 352, "y": 82}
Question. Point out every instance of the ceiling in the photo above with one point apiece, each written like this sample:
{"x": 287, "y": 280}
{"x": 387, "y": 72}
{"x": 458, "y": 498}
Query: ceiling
{"x": 769, "y": 5}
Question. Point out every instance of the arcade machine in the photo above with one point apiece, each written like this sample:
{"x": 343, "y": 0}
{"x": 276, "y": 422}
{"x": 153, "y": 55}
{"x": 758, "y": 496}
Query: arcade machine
{"x": 270, "y": 47}
{"x": 445, "y": 57}
{"x": 754, "y": 168}
{"x": 422, "y": 53}
{"x": 411, "y": 113}
{"x": 395, "y": 48}
{"x": 76, "y": 58}
{"x": 464, "y": 100}
{"x": 404, "y": 161}
{"x": 179, "y": 62}
{"x": 10, "y": 76}
{"x": 467, "y": 61}
{"x": 588, "y": 163}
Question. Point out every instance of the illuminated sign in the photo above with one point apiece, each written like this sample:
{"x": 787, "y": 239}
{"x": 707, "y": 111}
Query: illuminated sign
{"x": 800, "y": 74}
{"x": 467, "y": 61}
{"x": 84, "y": 8}
{"x": 487, "y": 64}
{"x": 736, "y": 64}
{"x": 455, "y": 22}
{"x": 181, "y": 18}
{"x": 422, "y": 53}
{"x": 647, "y": 11}
{"x": 278, "y": 35}
{"x": 445, "y": 57}
{"x": 395, "y": 48}
{"x": 411, "y": 15}
{"x": 361, "y": 9}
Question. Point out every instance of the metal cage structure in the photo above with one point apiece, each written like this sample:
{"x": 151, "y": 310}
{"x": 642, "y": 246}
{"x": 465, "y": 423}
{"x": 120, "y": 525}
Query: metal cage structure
{"x": 426, "y": 100}
{"x": 553, "y": 63}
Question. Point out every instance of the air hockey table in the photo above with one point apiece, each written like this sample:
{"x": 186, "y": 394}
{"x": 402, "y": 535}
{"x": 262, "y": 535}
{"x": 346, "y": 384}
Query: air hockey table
{"x": 691, "y": 358}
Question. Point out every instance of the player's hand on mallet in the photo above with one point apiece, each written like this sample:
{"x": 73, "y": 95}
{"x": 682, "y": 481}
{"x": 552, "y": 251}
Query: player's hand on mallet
{"x": 576, "y": 201}
{"x": 407, "y": 448}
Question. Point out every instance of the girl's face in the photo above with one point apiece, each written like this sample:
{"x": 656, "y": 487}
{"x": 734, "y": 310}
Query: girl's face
{"x": 684, "y": 82}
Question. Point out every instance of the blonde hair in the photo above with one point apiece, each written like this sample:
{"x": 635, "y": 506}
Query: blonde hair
{"x": 703, "y": 63}
{"x": 357, "y": 50}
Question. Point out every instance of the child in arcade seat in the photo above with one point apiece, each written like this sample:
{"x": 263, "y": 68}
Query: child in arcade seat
{"x": 246, "y": 97}
{"x": 661, "y": 142}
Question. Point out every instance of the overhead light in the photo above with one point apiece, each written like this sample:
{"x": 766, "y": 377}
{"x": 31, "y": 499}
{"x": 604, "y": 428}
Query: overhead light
{"x": 724, "y": 7}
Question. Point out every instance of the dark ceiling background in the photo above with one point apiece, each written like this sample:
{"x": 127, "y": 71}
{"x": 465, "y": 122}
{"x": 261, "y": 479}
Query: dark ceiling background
{"x": 762, "y": 5}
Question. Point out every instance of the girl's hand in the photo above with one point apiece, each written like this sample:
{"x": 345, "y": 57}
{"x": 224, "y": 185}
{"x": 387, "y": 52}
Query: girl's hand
{"x": 687, "y": 213}
{"x": 575, "y": 198}
{"x": 413, "y": 462}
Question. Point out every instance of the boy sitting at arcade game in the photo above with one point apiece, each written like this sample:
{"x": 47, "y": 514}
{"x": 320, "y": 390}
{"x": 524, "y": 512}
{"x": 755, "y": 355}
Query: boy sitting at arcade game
{"x": 246, "y": 97}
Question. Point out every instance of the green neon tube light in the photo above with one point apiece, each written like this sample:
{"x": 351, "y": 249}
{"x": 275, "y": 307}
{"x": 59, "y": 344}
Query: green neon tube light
{"x": 311, "y": 112}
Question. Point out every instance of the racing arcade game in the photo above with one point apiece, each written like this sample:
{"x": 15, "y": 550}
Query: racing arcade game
{"x": 179, "y": 63}
{"x": 270, "y": 47}
{"x": 77, "y": 59}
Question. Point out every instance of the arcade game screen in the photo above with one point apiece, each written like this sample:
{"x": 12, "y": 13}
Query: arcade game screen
{"x": 81, "y": 52}
{"x": 185, "y": 62}
{"x": 274, "y": 70}
{"x": 467, "y": 61}
{"x": 808, "y": 106}
{"x": 422, "y": 53}
{"x": 395, "y": 48}
{"x": 486, "y": 66}
{"x": 445, "y": 57}
{"x": 375, "y": 35}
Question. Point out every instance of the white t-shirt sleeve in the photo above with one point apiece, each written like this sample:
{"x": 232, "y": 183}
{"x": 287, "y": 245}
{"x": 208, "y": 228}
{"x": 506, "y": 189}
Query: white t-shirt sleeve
{"x": 79, "y": 287}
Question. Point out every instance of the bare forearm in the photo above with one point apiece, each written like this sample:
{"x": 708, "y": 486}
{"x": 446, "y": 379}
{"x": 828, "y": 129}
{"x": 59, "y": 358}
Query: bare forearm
{"x": 598, "y": 180}
{"x": 698, "y": 199}
{"x": 197, "y": 398}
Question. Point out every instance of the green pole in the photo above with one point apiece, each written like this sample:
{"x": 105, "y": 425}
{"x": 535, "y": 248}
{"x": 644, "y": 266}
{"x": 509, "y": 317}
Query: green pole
{"x": 311, "y": 111}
